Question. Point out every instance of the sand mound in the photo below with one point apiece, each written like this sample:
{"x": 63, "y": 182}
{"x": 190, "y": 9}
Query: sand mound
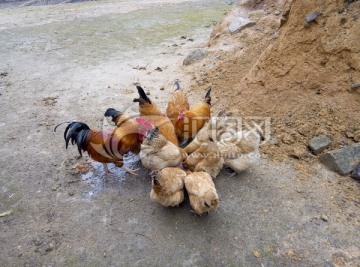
{"x": 300, "y": 74}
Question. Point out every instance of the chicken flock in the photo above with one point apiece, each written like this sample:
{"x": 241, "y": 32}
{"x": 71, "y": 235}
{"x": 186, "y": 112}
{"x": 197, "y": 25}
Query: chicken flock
{"x": 184, "y": 148}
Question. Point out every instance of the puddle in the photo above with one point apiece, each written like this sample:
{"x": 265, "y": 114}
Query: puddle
{"x": 98, "y": 180}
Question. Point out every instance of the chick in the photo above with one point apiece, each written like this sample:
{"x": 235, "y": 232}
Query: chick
{"x": 241, "y": 151}
{"x": 202, "y": 192}
{"x": 206, "y": 158}
{"x": 158, "y": 153}
{"x": 168, "y": 187}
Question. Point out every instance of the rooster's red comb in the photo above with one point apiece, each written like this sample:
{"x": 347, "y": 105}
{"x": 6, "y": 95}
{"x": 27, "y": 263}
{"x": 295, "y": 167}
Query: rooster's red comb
{"x": 144, "y": 122}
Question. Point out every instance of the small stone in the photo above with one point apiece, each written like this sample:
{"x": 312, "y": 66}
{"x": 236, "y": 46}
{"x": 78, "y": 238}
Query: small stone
{"x": 298, "y": 152}
{"x": 324, "y": 218}
{"x": 54, "y": 188}
{"x": 290, "y": 253}
{"x": 159, "y": 69}
{"x": 183, "y": 37}
{"x": 148, "y": 93}
{"x": 194, "y": 56}
{"x": 191, "y": 40}
{"x": 257, "y": 254}
{"x": 286, "y": 138}
{"x": 49, "y": 247}
{"x": 356, "y": 173}
{"x": 349, "y": 134}
{"x": 109, "y": 86}
{"x": 277, "y": 12}
{"x": 162, "y": 89}
{"x": 239, "y": 24}
{"x": 342, "y": 160}
{"x": 71, "y": 193}
{"x": 319, "y": 143}
{"x": 311, "y": 17}
{"x": 355, "y": 86}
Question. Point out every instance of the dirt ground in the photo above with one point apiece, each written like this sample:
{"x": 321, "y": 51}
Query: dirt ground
{"x": 73, "y": 61}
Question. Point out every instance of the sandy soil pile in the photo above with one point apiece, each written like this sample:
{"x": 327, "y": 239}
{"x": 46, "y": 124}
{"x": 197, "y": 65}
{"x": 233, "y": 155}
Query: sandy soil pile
{"x": 299, "y": 75}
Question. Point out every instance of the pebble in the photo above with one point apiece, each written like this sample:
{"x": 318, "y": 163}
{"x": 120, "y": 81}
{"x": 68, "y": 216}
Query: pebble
{"x": 356, "y": 173}
{"x": 324, "y": 218}
{"x": 319, "y": 143}
{"x": 311, "y": 17}
{"x": 195, "y": 55}
{"x": 342, "y": 160}
{"x": 239, "y": 24}
{"x": 257, "y": 254}
{"x": 355, "y": 86}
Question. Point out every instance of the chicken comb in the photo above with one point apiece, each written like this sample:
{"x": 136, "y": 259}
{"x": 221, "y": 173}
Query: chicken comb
{"x": 145, "y": 123}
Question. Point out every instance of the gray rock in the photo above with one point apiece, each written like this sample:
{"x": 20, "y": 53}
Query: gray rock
{"x": 342, "y": 160}
{"x": 312, "y": 17}
{"x": 319, "y": 143}
{"x": 240, "y": 23}
{"x": 195, "y": 55}
{"x": 356, "y": 173}
{"x": 355, "y": 86}
{"x": 324, "y": 218}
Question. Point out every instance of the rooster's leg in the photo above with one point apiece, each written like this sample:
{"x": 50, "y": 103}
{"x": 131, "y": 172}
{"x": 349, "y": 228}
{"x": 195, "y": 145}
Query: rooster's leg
{"x": 106, "y": 169}
{"x": 131, "y": 171}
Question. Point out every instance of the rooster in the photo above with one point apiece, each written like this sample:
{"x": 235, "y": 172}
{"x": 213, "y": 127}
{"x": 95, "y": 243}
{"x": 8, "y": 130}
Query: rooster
{"x": 149, "y": 111}
{"x": 189, "y": 122}
{"x": 168, "y": 187}
{"x": 202, "y": 192}
{"x": 178, "y": 102}
{"x": 107, "y": 146}
{"x": 158, "y": 153}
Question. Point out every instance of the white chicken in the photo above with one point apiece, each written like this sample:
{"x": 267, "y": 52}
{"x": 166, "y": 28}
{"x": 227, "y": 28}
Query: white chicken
{"x": 240, "y": 151}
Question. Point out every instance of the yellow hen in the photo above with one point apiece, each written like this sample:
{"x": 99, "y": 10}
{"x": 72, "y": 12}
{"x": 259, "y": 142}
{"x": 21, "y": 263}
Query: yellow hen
{"x": 202, "y": 192}
{"x": 168, "y": 187}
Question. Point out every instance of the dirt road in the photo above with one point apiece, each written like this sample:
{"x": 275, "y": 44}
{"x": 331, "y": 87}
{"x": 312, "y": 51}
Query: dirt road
{"x": 72, "y": 62}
